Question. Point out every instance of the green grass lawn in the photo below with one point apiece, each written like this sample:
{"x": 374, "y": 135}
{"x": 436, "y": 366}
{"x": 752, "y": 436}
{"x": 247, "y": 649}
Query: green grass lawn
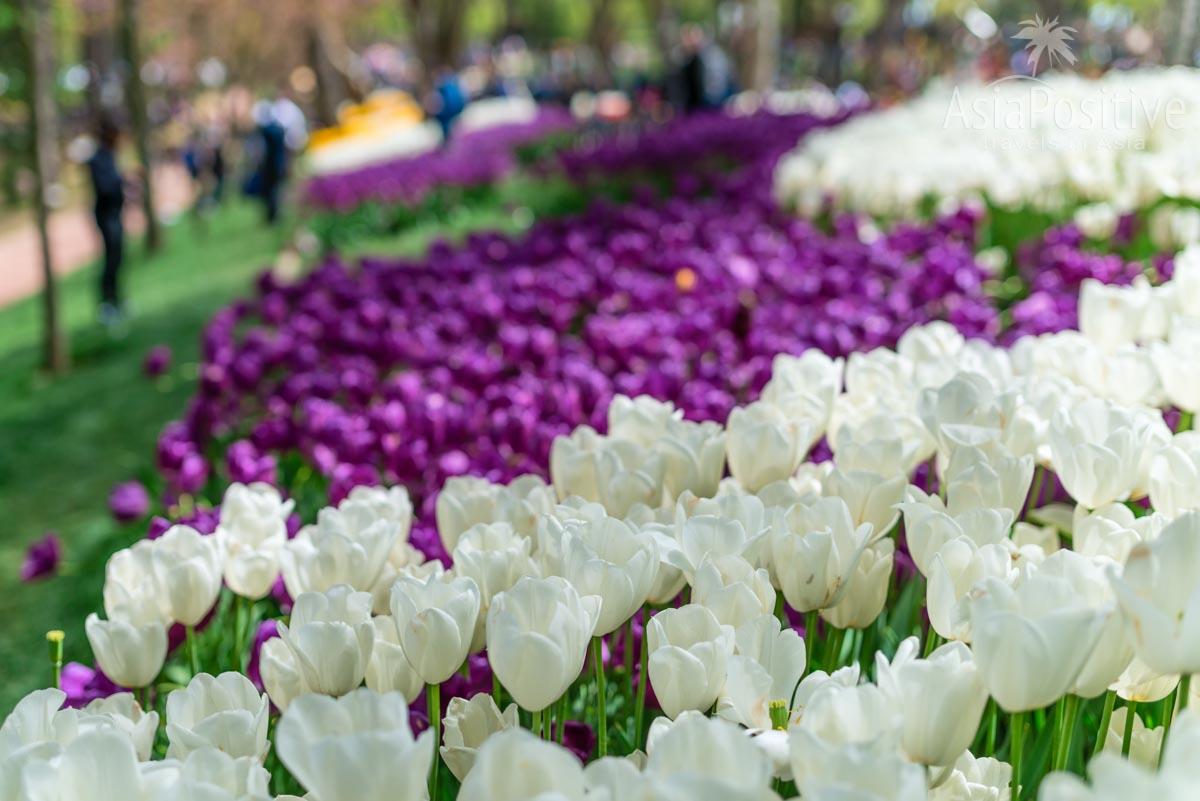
{"x": 64, "y": 441}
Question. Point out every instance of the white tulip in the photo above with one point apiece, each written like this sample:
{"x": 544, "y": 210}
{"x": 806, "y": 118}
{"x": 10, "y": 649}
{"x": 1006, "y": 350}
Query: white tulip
{"x": 767, "y": 667}
{"x": 714, "y": 534}
{"x": 465, "y": 501}
{"x": 129, "y": 653}
{"x": 733, "y": 590}
{"x": 224, "y": 712}
{"x": 468, "y": 725}
{"x": 494, "y": 556}
{"x": 871, "y": 497}
{"x": 133, "y": 588}
{"x": 693, "y": 457}
{"x": 1111, "y": 316}
{"x": 987, "y": 479}
{"x": 941, "y": 699}
{"x": 886, "y": 442}
{"x": 928, "y": 526}
{"x": 975, "y": 779}
{"x": 344, "y": 547}
{"x": 403, "y": 560}
{"x": 389, "y": 669}
{"x": 330, "y": 637}
{"x": 99, "y": 765}
{"x": 620, "y": 474}
{"x": 281, "y": 676}
{"x": 122, "y": 712}
{"x": 1142, "y": 684}
{"x": 709, "y": 759}
{"x": 514, "y": 765}
{"x": 866, "y": 588}
{"x": 537, "y": 636}
{"x": 1159, "y": 593}
{"x": 1111, "y": 531}
{"x": 642, "y": 419}
{"x": 763, "y": 445}
{"x": 355, "y": 748}
{"x": 1100, "y": 450}
{"x": 211, "y": 775}
{"x": 1175, "y": 476}
{"x": 189, "y": 568}
{"x": 689, "y": 654}
{"x": 251, "y": 534}
{"x": 1178, "y": 364}
{"x": 436, "y": 623}
{"x": 604, "y": 557}
{"x": 1114, "y": 649}
{"x": 368, "y": 504}
{"x": 1144, "y": 743}
{"x": 805, "y": 386}
{"x": 1031, "y": 640}
{"x": 814, "y": 551}
{"x": 956, "y": 568}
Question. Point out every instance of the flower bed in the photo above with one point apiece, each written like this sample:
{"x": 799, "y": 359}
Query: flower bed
{"x": 733, "y": 596}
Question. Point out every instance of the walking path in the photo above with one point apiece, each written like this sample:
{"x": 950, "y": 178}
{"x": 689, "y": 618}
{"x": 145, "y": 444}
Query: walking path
{"x": 74, "y": 241}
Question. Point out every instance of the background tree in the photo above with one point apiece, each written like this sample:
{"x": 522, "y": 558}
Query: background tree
{"x": 39, "y": 46}
{"x": 135, "y": 98}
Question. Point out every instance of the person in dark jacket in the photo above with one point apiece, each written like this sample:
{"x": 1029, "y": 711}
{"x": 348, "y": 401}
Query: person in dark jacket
{"x": 109, "y": 188}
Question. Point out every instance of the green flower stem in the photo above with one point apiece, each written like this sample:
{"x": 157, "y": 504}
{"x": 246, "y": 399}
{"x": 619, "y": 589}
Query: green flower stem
{"x": 1035, "y": 492}
{"x": 1018, "y": 743}
{"x": 601, "y": 699}
{"x": 536, "y": 725}
{"x": 1131, "y": 708}
{"x": 193, "y": 650}
{"x": 639, "y": 715}
{"x": 562, "y": 718}
{"x": 497, "y": 691}
{"x": 1186, "y": 420}
{"x": 810, "y": 635}
{"x": 433, "y": 708}
{"x": 1178, "y": 698}
{"x": 993, "y": 713}
{"x": 1067, "y": 732}
{"x": 1110, "y": 700}
{"x": 54, "y": 639}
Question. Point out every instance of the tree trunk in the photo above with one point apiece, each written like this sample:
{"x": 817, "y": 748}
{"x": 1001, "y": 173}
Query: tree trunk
{"x": 39, "y": 41}
{"x": 756, "y": 46}
{"x": 437, "y": 34}
{"x": 602, "y": 37}
{"x": 135, "y": 97}
{"x": 329, "y": 84}
{"x": 1184, "y": 49}
{"x": 767, "y": 25}
{"x": 666, "y": 31}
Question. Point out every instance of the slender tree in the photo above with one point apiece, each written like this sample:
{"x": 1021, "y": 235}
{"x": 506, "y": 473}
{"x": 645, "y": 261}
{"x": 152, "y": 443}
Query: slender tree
{"x": 135, "y": 96}
{"x": 437, "y": 27}
{"x": 39, "y": 44}
{"x": 1184, "y": 48}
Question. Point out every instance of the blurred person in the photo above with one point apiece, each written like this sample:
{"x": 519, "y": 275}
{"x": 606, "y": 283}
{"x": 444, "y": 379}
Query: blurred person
{"x": 706, "y": 76}
{"x": 108, "y": 187}
{"x": 448, "y": 100}
{"x": 280, "y": 128}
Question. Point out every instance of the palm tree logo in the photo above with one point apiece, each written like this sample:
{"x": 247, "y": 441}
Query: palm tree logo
{"x": 1048, "y": 38}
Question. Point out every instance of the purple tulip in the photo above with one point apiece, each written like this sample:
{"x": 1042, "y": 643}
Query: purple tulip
{"x": 42, "y": 557}
{"x": 128, "y": 501}
{"x": 83, "y": 684}
{"x": 158, "y": 361}
{"x": 267, "y": 629}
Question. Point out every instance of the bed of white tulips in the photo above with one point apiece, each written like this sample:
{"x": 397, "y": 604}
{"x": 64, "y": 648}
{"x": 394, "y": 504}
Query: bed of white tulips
{"x": 996, "y": 582}
{"x": 1125, "y": 141}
